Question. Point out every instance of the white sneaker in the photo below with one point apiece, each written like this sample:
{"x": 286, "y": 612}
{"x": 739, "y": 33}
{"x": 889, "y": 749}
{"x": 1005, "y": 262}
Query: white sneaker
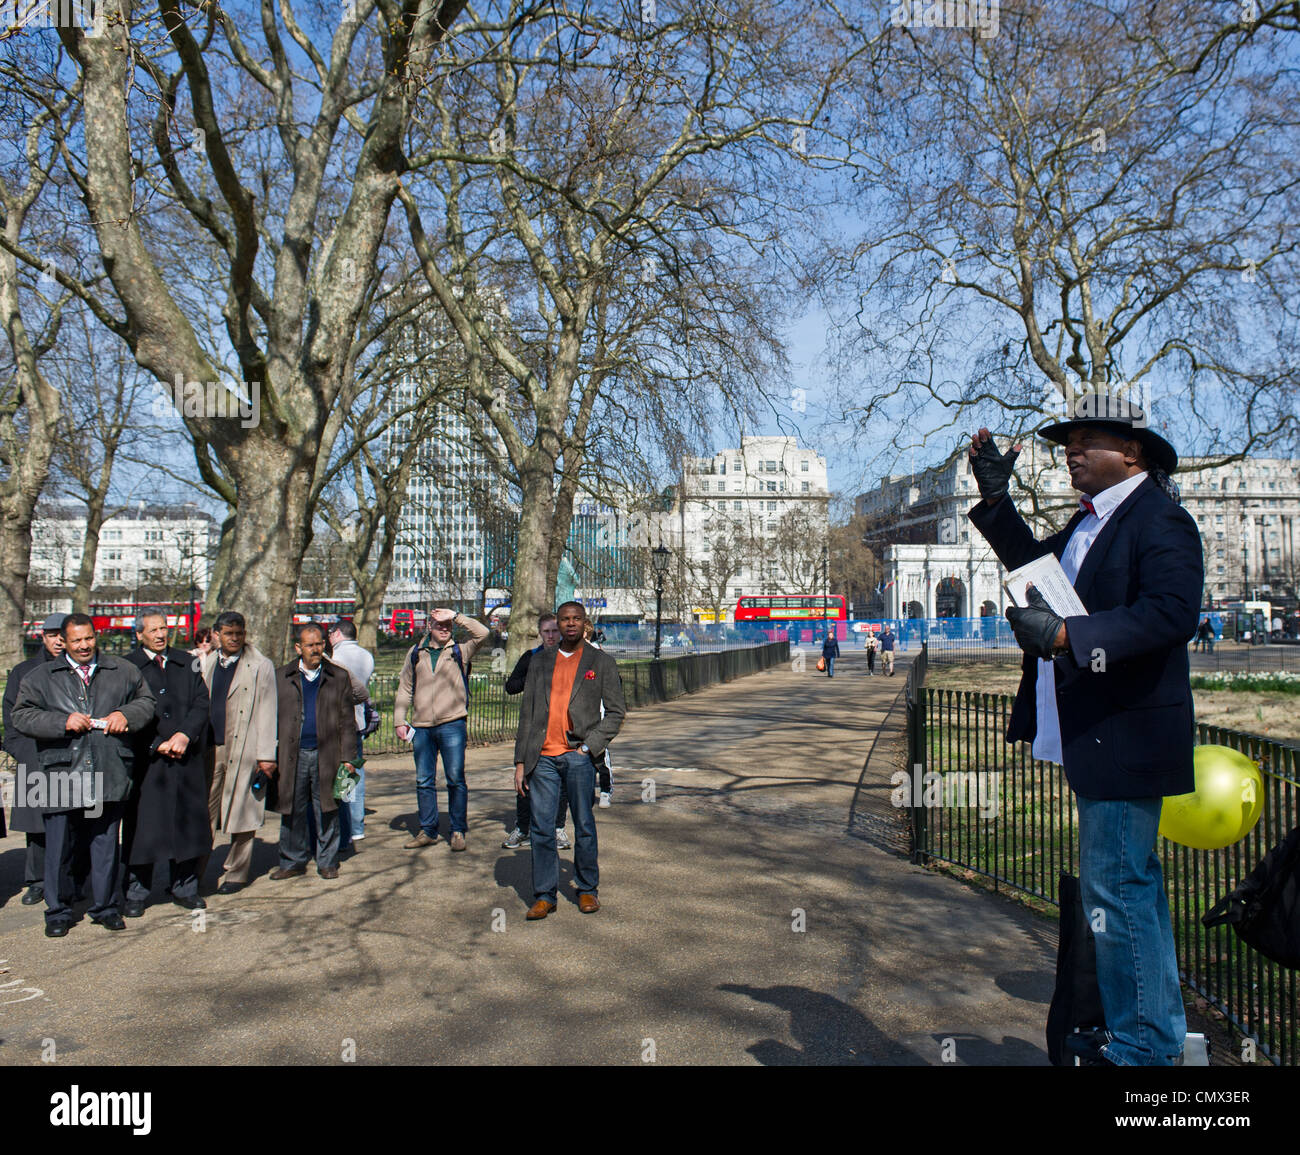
{"x": 604, "y": 799}
{"x": 562, "y": 840}
{"x": 358, "y": 837}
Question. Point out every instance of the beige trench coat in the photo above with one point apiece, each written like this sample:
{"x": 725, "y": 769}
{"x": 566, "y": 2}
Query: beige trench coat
{"x": 251, "y": 730}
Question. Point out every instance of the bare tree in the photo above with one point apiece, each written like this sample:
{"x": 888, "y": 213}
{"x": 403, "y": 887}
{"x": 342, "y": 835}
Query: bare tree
{"x": 1088, "y": 201}
{"x": 274, "y": 165}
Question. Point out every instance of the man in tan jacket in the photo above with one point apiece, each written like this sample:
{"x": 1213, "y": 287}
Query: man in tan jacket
{"x": 430, "y": 711}
{"x": 241, "y": 685}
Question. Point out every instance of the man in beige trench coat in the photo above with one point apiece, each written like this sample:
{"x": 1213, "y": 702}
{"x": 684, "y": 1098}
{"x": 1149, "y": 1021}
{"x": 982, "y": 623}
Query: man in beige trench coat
{"x": 244, "y": 741}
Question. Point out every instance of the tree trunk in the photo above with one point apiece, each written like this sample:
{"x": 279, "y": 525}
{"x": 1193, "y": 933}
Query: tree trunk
{"x": 530, "y": 596}
{"x": 213, "y": 596}
{"x": 95, "y": 500}
{"x": 268, "y": 543}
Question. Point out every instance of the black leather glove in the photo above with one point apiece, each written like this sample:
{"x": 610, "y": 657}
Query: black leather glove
{"x": 992, "y": 469}
{"x": 1035, "y": 626}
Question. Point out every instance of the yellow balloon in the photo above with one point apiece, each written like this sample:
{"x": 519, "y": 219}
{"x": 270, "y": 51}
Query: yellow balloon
{"x": 1224, "y": 807}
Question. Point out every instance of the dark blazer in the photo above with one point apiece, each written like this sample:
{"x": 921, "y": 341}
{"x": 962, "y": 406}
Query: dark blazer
{"x": 519, "y": 675}
{"x": 605, "y": 686}
{"x": 1122, "y": 692}
{"x": 27, "y": 819}
{"x": 336, "y": 728}
{"x": 167, "y": 815}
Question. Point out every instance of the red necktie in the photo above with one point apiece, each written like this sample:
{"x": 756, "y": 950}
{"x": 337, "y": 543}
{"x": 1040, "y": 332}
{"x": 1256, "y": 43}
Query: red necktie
{"x": 84, "y": 671}
{"x": 1087, "y": 504}
{"x": 161, "y": 659}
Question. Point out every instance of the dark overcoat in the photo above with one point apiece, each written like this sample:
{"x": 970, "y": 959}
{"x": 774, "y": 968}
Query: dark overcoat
{"x": 1122, "y": 691}
{"x": 167, "y": 815}
{"x": 336, "y": 728}
{"x": 28, "y": 819}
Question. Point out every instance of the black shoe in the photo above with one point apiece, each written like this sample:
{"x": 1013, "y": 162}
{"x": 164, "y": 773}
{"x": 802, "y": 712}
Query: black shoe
{"x": 57, "y": 929}
{"x": 230, "y": 887}
{"x": 132, "y": 909}
{"x": 34, "y": 895}
{"x": 190, "y": 903}
{"x": 111, "y": 921}
{"x": 1085, "y": 1047}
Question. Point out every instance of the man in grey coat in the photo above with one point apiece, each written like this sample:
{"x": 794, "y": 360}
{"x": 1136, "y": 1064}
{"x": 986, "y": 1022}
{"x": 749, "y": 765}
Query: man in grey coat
{"x": 80, "y": 710}
{"x": 562, "y": 730}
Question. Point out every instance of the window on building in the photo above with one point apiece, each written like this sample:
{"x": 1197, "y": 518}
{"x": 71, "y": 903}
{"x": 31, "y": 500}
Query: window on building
{"x": 770, "y": 466}
{"x": 771, "y": 487}
{"x": 736, "y": 505}
{"x": 112, "y": 575}
{"x": 736, "y": 592}
{"x": 803, "y": 467}
{"x": 806, "y": 487}
{"x": 771, "y": 506}
{"x": 735, "y": 465}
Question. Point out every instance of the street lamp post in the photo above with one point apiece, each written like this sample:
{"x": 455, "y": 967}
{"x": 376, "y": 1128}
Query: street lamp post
{"x": 659, "y": 558}
{"x": 194, "y": 615}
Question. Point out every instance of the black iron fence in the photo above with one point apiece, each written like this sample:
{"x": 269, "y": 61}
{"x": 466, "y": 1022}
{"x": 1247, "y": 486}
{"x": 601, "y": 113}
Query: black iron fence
{"x": 977, "y": 803}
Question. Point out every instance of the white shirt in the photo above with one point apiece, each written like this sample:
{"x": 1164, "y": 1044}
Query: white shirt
{"x": 227, "y": 661}
{"x": 1047, "y": 742}
{"x": 310, "y": 675}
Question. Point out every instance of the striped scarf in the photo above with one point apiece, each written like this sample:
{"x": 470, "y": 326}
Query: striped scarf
{"x": 1166, "y": 483}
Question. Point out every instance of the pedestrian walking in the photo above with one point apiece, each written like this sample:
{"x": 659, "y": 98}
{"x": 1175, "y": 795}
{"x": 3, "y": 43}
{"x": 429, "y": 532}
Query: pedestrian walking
{"x": 317, "y": 728}
{"x": 241, "y": 692}
{"x": 360, "y": 663}
{"x": 571, "y": 710}
{"x": 166, "y": 817}
{"x": 548, "y": 630}
{"x": 82, "y": 711}
{"x": 887, "y": 642}
{"x": 1122, "y": 729}
{"x": 30, "y": 820}
{"x": 830, "y": 651}
{"x": 873, "y": 647}
{"x": 430, "y": 712}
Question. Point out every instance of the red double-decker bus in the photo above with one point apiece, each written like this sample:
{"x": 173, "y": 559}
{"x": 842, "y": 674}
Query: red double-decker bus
{"x": 119, "y": 617}
{"x": 791, "y": 608}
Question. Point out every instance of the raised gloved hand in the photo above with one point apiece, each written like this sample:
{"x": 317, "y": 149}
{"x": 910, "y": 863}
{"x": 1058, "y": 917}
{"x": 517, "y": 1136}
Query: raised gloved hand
{"x": 992, "y": 469}
{"x": 1036, "y": 625}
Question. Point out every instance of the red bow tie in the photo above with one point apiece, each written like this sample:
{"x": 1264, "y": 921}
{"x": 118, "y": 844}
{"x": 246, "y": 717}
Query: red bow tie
{"x": 1087, "y": 504}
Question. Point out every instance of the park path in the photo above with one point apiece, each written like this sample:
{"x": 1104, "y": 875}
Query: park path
{"x": 770, "y": 812}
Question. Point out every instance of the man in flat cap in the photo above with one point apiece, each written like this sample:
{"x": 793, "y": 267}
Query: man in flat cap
{"x": 1107, "y": 695}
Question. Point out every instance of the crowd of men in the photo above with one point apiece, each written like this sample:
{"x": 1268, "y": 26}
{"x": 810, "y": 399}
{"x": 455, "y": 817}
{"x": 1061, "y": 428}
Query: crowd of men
{"x": 125, "y": 762}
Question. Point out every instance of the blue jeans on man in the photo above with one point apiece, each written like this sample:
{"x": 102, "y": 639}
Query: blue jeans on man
{"x": 352, "y": 815}
{"x": 575, "y": 772}
{"x": 1124, "y": 902}
{"x": 448, "y": 740}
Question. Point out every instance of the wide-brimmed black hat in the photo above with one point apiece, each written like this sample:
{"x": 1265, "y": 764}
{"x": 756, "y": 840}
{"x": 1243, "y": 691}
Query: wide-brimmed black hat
{"x": 1104, "y": 411}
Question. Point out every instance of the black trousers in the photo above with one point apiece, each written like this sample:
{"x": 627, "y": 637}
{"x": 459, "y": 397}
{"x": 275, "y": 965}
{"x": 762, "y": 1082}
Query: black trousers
{"x": 99, "y": 835}
{"x": 184, "y": 880}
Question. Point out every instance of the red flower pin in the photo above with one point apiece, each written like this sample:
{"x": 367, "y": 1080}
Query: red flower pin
{"x": 590, "y": 675}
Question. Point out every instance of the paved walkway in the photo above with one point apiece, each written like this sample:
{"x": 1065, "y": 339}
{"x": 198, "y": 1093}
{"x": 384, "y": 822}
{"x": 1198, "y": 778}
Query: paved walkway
{"x": 764, "y": 818}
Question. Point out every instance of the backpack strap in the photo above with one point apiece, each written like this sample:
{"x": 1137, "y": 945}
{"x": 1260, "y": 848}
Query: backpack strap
{"x": 460, "y": 665}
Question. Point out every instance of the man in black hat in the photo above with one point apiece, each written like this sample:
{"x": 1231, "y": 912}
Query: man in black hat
{"x": 30, "y": 819}
{"x": 1107, "y": 695}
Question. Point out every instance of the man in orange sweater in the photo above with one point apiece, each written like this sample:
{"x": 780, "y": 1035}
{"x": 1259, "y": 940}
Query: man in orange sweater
{"x": 561, "y": 733}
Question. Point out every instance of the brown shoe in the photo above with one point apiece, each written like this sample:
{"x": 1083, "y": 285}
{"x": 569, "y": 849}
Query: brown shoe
{"x": 540, "y": 909}
{"x": 457, "y": 841}
{"x": 419, "y": 840}
{"x": 328, "y": 872}
{"x": 281, "y": 874}
{"x": 588, "y": 903}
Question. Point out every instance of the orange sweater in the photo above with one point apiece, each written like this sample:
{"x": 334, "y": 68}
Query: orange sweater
{"x": 557, "y": 715}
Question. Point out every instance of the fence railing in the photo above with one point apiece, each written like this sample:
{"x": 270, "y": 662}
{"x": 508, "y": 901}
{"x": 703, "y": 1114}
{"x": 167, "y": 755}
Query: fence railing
{"x": 994, "y": 809}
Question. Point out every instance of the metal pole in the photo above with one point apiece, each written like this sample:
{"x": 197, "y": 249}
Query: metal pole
{"x": 659, "y": 607}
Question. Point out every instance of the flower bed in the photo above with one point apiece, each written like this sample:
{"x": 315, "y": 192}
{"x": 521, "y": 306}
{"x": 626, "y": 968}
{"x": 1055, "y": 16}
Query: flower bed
{"x": 1285, "y": 681}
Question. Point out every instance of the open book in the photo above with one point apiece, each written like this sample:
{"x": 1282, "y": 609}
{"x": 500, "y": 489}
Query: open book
{"x": 1047, "y": 576}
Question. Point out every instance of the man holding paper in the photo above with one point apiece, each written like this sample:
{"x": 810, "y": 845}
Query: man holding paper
{"x": 1106, "y": 692}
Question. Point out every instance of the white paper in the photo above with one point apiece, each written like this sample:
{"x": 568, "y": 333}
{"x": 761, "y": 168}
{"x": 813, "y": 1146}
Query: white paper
{"x": 1046, "y": 575}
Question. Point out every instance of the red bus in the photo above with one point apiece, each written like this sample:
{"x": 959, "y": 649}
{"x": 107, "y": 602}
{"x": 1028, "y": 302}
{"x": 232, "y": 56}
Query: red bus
{"x": 120, "y": 616}
{"x": 791, "y": 608}
{"x": 111, "y": 617}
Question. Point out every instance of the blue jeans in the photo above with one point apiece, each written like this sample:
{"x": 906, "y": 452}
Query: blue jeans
{"x": 830, "y": 667}
{"x": 448, "y": 740}
{"x": 1137, "y": 966}
{"x": 352, "y": 815}
{"x": 578, "y": 775}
